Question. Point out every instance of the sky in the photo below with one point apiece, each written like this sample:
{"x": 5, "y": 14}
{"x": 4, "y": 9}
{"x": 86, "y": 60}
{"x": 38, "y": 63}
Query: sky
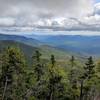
{"x": 97, "y": 1}
{"x": 50, "y": 17}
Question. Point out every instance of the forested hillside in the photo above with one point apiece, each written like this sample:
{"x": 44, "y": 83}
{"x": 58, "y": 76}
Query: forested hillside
{"x": 44, "y": 49}
{"x": 87, "y": 45}
{"x": 47, "y": 79}
{"x": 73, "y": 44}
{"x": 32, "y": 70}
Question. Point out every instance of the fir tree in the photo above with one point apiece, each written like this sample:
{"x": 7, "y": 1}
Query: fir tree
{"x": 55, "y": 85}
{"x": 13, "y": 65}
{"x": 73, "y": 78}
{"x": 38, "y": 67}
{"x": 89, "y": 68}
{"x": 87, "y": 75}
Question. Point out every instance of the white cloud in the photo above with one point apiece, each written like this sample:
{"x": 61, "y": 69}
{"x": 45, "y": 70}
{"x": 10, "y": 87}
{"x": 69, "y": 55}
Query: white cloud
{"x": 97, "y": 8}
{"x": 7, "y": 21}
{"x": 52, "y": 15}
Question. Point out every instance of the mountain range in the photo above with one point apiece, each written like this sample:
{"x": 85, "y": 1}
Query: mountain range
{"x": 84, "y": 45}
{"x": 62, "y": 46}
{"x": 28, "y": 50}
{"x": 22, "y": 39}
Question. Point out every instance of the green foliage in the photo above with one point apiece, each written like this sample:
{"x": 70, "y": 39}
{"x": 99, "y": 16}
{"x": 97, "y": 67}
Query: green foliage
{"x": 87, "y": 79}
{"x": 12, "y": 76}
{"x": 46, "y": 79}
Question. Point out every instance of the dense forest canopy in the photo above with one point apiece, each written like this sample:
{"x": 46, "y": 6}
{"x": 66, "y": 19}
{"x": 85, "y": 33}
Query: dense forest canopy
{"x": 46, "y": 79}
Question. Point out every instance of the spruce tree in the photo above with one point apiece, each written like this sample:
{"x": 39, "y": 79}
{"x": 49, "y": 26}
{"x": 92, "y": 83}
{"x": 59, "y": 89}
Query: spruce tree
{"x": 86, "y": 77}
{"x": 55, "y": 86}
{"x": 38, "y": 67}
{"x": 89, "y": 68}
{"x": 73, "y": 78}
{"x": 13, "y": 65}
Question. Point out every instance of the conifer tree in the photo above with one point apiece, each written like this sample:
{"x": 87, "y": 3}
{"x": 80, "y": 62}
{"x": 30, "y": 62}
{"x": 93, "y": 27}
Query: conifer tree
{"x": 88, "y": 74}
{"x": 13, "y": 65}
{"x": 72, "y": 61}
{"x": 55, "y": 85}
{"x": 73, "y": 78}
{"x": 38, "y": 68}
{"x": 37, "y": 90}
{"x": 89, "y": 68}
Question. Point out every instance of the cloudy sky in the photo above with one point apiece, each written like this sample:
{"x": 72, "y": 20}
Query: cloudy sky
{"x": 51, "y": 16}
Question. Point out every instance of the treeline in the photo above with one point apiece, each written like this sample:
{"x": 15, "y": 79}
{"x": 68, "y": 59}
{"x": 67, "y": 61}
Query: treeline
{"x": 47, "y": 79}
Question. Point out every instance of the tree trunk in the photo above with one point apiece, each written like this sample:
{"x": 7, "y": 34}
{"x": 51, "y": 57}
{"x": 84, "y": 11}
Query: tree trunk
{"x": 5, "y": 88}
{"x": 51, "y": 95}
{"x": 81, "y": 91}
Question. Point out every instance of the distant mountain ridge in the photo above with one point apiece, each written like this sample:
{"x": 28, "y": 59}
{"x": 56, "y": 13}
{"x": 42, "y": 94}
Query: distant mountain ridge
{"x": 28, "y": 50}
{"x": 72, "y": 44}
{"x": 22, "y": 39}
{"x": 86, "y": 45}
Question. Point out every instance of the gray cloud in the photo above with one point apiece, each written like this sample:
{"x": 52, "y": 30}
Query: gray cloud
{"x": 55, "y": 15}
{"x": 54, "y": 7}
{"x": 97, "y": 9}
